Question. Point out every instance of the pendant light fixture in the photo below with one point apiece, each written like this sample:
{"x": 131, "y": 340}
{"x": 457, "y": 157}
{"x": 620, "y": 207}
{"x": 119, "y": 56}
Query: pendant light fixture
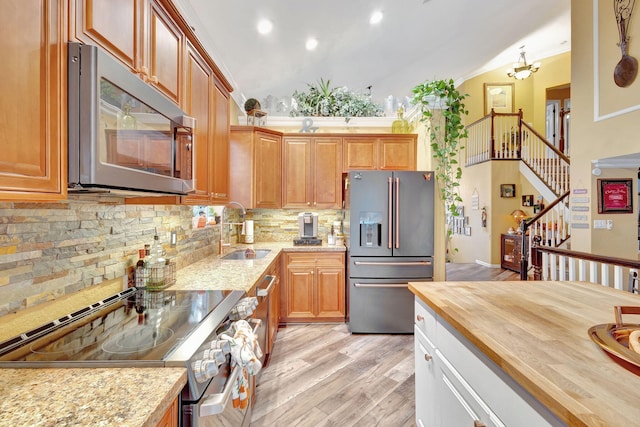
{"x": 522, "y": 69}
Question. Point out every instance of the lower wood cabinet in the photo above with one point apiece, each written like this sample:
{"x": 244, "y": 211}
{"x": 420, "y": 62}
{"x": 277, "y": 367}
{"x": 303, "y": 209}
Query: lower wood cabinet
{"x": 274, "y": 305}
{"x": 314, "y": 287}
{"x": 170, "y": 417}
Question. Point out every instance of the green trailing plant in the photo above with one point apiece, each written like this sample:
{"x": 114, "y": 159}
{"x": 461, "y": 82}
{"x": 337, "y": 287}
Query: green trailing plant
{"x": 321, "y": 100}
{"x": 446, "y": 132}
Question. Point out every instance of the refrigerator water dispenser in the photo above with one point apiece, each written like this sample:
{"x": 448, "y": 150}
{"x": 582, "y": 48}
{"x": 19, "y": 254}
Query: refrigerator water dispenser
{"x": 371, "y": 229}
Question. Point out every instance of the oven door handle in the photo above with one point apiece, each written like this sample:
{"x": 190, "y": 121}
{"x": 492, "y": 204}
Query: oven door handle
{"x": 214, "y": 404}
{"x": 263, "y": 292}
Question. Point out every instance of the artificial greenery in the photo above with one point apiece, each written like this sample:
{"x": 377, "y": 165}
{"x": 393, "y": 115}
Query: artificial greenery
{"x": 321, "y": 100}
{"x": 446, "y": 132}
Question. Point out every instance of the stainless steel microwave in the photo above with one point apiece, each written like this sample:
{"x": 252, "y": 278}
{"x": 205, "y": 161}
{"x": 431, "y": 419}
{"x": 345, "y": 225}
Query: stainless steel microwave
{"x": 124, "y": 135}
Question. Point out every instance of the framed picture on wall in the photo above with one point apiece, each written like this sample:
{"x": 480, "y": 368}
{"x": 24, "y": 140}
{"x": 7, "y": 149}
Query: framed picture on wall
{"x": 527, "y": 200}
{"x": 614, "y": 196}
{"x": 507, "y": 190}
{"x": 499, "y": 96}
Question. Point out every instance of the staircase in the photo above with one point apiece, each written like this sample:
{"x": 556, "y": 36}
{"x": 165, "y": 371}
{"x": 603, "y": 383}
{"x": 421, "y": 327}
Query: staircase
{"x": 505, "y": 136}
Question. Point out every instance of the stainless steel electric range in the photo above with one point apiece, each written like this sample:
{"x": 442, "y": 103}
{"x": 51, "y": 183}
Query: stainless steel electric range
{"x": 141, "y": 328}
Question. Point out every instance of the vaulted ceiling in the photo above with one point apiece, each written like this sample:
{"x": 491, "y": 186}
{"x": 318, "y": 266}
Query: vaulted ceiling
{"x": 416, "y": 40}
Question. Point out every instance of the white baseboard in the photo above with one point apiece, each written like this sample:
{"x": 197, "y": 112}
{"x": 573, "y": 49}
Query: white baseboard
{"x": 486, "y": 264}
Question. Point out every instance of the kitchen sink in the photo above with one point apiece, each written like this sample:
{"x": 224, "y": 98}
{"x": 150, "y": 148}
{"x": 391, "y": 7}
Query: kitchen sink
{"x": 247, "y": 254}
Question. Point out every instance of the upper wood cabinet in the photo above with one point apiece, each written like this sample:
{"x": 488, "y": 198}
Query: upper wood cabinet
{"x": 380, "y": 152}
{"x": 256, "y": 167}
{"x": 33, "y": 84}
{"x": 199, "y": 104}
{"x": 312, "y": 172}
{"x": 140, "y": 33}
{"x": 220, "y": 174}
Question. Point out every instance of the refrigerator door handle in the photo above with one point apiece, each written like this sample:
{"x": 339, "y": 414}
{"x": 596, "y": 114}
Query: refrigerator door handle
{"x": 381, "y": 285}
{"x": 408, "y": 263}
{"x": 390, "y": 210}
{"x": 397, "y": 213}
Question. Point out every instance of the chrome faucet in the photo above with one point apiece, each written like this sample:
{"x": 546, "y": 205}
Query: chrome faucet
{"x": 222, "y": 224}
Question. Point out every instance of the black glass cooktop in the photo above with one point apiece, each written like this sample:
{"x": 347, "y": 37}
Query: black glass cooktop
{"x": 135, "y": 325}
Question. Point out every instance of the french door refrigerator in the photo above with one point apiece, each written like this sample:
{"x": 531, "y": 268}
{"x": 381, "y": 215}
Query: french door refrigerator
{"x": 391, "y": 244}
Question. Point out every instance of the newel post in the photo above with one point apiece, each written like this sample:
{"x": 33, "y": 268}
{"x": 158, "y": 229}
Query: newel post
{"x": 536, "y": 258}
{"x": 493, "y": 136}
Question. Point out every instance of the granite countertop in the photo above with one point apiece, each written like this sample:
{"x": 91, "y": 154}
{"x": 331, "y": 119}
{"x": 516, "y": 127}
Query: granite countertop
{"x": 124, "y": 396}
{"x": 88, "y": 396}
{"x": 537, "y": 332}
{"x": 214, "y": 273}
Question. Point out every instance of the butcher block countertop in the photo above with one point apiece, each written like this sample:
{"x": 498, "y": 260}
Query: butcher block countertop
{"x": 123, "y": 397}
{"x": 537, "y": 332}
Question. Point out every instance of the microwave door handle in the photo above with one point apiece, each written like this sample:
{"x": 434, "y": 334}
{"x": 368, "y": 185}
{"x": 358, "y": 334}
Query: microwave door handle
{"x": 397, "y": 213}
{"x": 174, "y": 152}
{"x": 390, "y": 210}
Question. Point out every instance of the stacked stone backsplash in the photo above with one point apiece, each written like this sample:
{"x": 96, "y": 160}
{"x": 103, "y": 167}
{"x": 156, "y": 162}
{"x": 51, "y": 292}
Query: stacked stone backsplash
{"x": 281, "y": 225}
{"x": 49, "y": 250}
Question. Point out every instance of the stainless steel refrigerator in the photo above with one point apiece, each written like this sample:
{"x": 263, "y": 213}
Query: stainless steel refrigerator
{"x": 391, "y": 244}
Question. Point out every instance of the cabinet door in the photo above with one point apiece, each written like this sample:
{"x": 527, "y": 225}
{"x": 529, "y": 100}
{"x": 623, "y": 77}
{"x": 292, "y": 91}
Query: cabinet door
{"x": 330, "y": 293}
{"x": 297, "y": 179}
{"x": 327, "y": 173}
{"x": 268, "y": 170}
{"x": 170, "y": 417}
{"x": 457, "y": 402}
{"x": 198, "y": 101}
{"x": 360, "y": 153}
{"x": 300, "y": 285}
{"x": 398, "y": 152}
{"x": 220, "y": 155}
{"x": 114, "y": 25}
{"x": 425, "y": 379}
{"x": 163, "y": 53}
{"x": 33, "y": 132}
{"x": 274, "y": 310}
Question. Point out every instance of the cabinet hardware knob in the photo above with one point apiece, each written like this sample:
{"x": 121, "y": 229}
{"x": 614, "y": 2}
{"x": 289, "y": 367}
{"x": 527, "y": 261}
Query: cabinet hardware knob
{"x": 308, "y": 203}
{"x": 420, "y": 318}
{"x": 428, "y": 357}
{"x": 188, "y": 146}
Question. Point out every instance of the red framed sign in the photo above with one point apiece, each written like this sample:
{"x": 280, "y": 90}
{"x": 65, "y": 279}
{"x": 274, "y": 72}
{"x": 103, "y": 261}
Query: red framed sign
{"x": 615, "y": 196}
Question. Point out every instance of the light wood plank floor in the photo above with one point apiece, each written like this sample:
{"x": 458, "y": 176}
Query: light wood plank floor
{"x": 321, "y": 375}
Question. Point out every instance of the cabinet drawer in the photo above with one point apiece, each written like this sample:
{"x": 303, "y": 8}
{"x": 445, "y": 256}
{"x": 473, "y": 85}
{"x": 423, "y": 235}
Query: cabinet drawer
{"x": 505, "y": 397}
{"x": 425, "y": 319}
{"x": 315, "y": 259}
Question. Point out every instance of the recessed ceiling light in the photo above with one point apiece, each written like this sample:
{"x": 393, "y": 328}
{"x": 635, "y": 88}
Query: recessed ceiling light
{"x": 264, "y": 26}
{"x": 376, "y": 17}
{"x": 311, "y": 43}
